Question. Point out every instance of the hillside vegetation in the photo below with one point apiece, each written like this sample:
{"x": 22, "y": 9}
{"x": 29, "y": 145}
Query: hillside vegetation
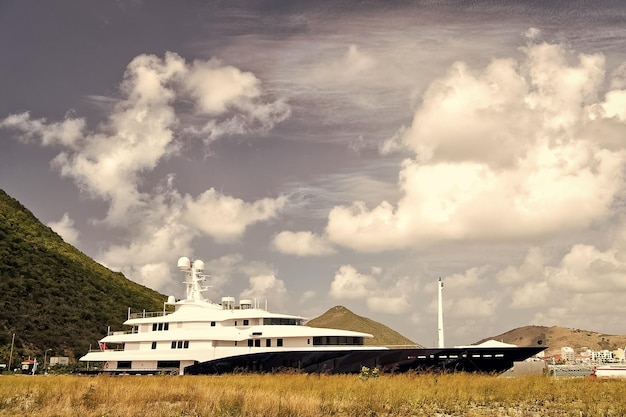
{"x": 339, "y": 317}
{"x": 52, "y": 296}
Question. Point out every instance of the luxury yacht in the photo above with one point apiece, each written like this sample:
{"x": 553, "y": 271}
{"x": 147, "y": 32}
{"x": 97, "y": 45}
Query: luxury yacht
{"x": 204, "y": 337}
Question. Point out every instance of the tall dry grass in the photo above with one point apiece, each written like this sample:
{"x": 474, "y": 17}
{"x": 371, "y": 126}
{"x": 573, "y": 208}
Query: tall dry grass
{"x": 309, "y": 395}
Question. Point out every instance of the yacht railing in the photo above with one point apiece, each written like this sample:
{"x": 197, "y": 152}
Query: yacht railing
{"x": 407, "y": 346}
{"x": 148, "y": 314}
{"x": 106, "y": 350}
{"x": 121, "y": 332}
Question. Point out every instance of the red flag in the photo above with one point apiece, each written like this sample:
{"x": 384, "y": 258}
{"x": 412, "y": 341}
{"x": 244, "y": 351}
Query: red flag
{"x": 102, "y": 346}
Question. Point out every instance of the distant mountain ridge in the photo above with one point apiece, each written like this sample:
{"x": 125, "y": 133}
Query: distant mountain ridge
{"x": 339, "y": 317}
{"x": 556, "y": 337}
{"x": 54, "y": 298}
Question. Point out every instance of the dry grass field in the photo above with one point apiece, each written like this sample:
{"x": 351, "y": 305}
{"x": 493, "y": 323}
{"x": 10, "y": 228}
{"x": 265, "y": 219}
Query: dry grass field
{"x": 310, "y": 395}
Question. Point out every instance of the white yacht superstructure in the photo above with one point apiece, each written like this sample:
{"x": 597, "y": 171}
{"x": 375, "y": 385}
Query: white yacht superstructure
{"x": 199, "y": 330}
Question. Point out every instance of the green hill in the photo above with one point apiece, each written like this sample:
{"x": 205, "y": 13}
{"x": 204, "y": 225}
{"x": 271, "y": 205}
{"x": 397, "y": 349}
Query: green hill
{"x": 339, "y": 317}
{"x": 53, "y": 296}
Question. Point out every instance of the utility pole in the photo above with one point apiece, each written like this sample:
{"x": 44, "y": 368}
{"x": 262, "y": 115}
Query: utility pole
{"x": 45, "y": 360}
{"x": 11, "y": 357}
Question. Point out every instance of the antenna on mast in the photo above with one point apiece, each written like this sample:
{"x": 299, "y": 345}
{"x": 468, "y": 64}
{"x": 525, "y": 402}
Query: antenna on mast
{"x": 193, "y": 277}
{"x": 440, "y": 311}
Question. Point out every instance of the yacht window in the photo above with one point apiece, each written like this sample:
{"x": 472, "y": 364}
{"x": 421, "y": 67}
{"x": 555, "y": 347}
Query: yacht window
{"x": 160, "y": 327}
{"x": 168, "y": 364}
{"x": 268, "y": 342}
{"x": 235, "y": 322}
{"x": 124, "y": 364}
{"x": 257, "y": 343}
{"x": 308, "y": 341}
{"x": 246, "y": 322}
{"x": 212, "y": 324}
{"x": 337, "y": 340}
{"x": 281, "y": 321}
{"x": 153, "y": 345}
{"x": 279, "y": 342}
{"x": 180, "y": 344}
{"x": 250, "y": 343}
{"x": 235, "y": 343}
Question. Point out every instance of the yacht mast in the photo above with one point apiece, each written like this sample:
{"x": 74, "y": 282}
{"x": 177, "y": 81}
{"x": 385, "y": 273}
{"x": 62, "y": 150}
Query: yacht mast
{"x": 193, "y": 277}
{"x": 440, "y": 312}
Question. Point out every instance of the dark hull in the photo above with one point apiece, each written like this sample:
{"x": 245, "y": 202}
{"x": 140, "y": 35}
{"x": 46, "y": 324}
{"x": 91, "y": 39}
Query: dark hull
{"x": 466, "y": 359}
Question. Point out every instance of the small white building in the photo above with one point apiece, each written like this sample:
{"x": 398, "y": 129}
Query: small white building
{"x": 618, "y": 355}
{"x": 59, "y": 360}
{"x": 567, "y": 353}
{"x": 602, "y": 356}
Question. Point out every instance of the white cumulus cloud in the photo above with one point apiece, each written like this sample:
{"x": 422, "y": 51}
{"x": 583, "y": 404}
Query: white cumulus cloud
{"x": 381, "y": 294}
{"x": 532, "y": 294}
{"x": 226, "y": 218}
{"x": 501, "y": 154}
{"x": 142, "y": 129}
{"x": 65, "y": 133}
{"x": 302, "y": 244}
{"x": 266, "y": 287}
{"x": 349, "y": 284}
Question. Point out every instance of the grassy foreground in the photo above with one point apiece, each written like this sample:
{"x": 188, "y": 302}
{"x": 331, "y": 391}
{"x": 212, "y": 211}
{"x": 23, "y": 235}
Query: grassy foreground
{"x": 309, "y": 395}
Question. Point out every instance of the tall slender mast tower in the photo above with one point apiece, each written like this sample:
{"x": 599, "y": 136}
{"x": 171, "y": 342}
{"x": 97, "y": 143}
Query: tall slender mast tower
{"x": 440, "y": 312}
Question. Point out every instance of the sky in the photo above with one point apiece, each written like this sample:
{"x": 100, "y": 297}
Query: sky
{"x": 326, "y": 153}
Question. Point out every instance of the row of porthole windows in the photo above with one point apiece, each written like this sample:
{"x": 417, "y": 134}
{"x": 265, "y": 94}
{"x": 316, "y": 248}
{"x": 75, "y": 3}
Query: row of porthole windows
{"x": 176, "y": 344}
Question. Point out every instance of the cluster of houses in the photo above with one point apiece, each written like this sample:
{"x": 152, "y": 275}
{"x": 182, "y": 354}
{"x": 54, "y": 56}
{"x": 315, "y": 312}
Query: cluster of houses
{"x": 587, "y": 356}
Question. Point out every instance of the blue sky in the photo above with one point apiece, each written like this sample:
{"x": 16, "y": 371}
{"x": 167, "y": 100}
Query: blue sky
{"x": 324, "y": 153}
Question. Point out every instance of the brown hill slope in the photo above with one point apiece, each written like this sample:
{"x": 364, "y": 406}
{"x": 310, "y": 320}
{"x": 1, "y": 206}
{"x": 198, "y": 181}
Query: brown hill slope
{"x": 339, "y": 317}
{"x": 556, "y": 337}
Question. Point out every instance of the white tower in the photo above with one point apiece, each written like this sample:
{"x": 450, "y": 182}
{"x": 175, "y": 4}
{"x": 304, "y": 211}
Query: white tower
{"x": 440, "y": 312}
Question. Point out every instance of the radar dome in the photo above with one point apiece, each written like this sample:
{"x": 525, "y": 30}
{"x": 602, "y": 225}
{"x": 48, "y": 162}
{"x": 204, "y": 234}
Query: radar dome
{"x": 199, "y": 265}
{"x": 171, "y": 299}
{"x": 184, "y": 263}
